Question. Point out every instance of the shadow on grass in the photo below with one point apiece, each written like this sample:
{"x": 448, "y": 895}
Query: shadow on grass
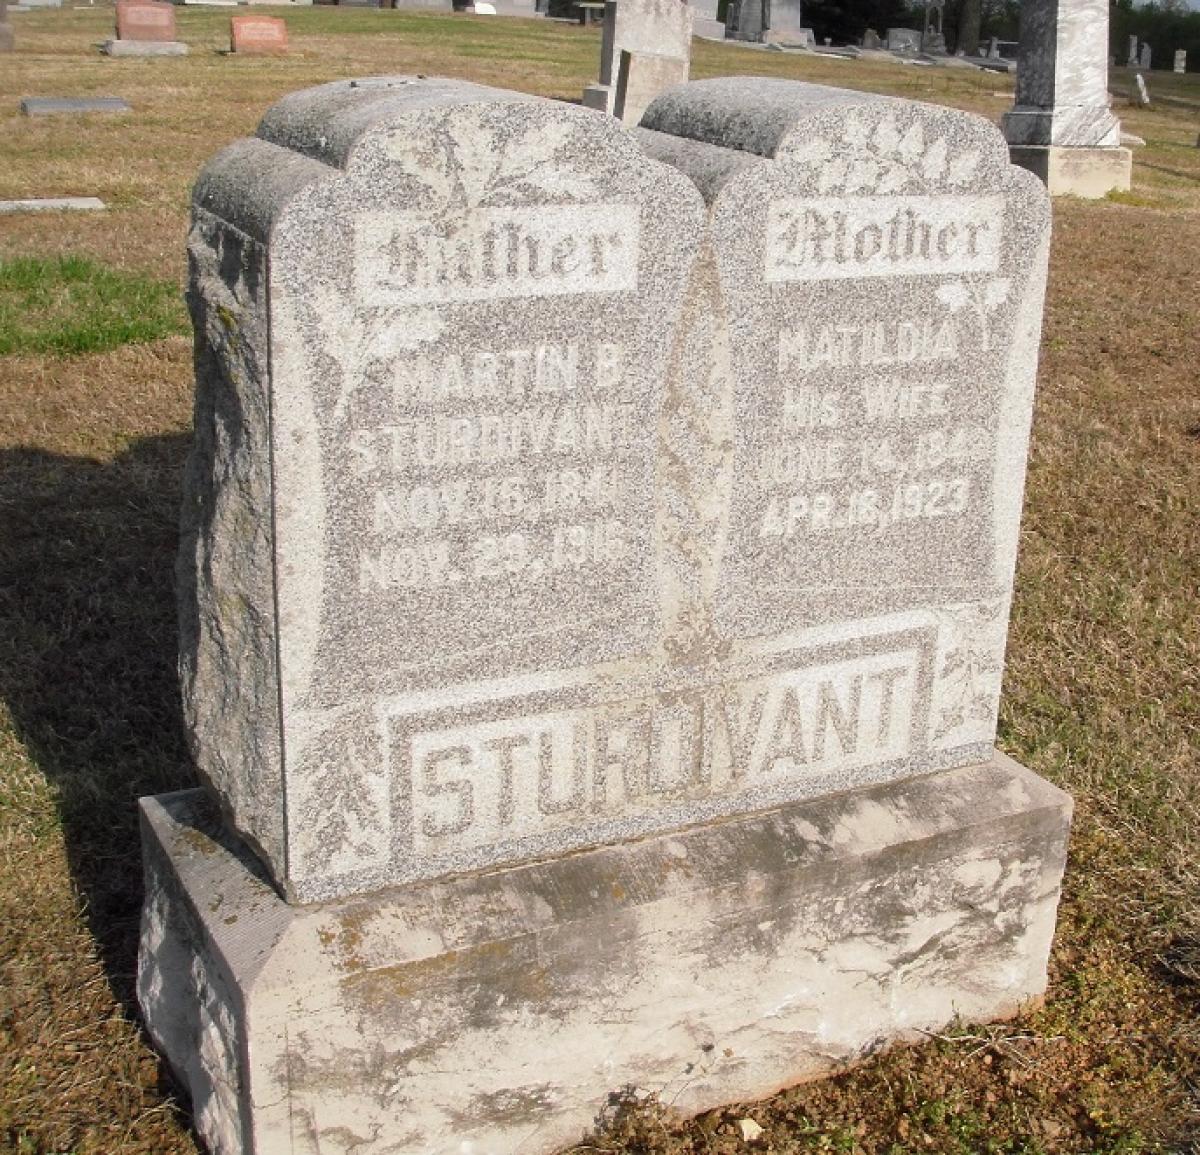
{"x": 1189, "y": 176}
{"x": 87, "y": 659}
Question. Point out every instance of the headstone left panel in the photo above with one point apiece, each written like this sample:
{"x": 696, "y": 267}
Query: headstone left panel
{"x": 470, "y": 317}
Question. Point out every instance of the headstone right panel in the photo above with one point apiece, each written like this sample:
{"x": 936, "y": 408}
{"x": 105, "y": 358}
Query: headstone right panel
{"x": 883, "y": 276}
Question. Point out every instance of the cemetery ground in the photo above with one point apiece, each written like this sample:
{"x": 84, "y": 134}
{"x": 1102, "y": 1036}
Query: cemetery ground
{"x": 1102, "y": 694}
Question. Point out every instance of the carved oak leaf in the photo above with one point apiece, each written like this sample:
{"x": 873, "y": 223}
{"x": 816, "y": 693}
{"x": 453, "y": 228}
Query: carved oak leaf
{"x": 962, "y": 168}
{"x": 855, "y": 133}
{"x": 934, "y": 162}
{"x": 912, "y": 144}
{"x": 863, "y": 173}
{"x": 543, "y": 143}
{"x": 887, "y": 137}
{"x": 428, "y": 167}
{"x": 833, "y": 175}
{"x": 954, "y": 295}
{"x": 476, "y": 160}
{"x": 894, "y": 177}
{"x": 559, "y": 182}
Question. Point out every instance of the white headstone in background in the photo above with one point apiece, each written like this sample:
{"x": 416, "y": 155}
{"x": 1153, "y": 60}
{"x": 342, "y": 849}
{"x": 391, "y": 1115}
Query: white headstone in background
{"x": 1061, "y": 125}
{"x": 657, "y": 28}
{"x": 1180, "y": 64}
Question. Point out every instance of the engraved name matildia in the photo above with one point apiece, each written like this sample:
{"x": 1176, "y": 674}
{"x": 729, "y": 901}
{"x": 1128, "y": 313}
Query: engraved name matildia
{"x": 872, "y": 449}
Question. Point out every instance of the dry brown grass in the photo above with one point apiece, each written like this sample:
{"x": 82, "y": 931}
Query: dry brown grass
{"x": 1102, "y": 692}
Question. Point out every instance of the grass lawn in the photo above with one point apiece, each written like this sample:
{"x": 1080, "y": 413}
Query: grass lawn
{"x": 1103, "y": 677}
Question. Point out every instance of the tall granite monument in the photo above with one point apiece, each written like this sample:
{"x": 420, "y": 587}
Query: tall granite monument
{"x": 596, "y": 560}
{"x": 1061, "y": 125}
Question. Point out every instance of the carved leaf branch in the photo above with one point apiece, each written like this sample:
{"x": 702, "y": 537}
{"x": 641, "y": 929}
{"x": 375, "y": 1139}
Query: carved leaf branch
{"x": 969, "y": 676}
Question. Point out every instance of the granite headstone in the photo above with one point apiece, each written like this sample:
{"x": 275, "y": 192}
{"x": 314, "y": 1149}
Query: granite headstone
{"x": 536, "y": 508}
{"x": 903, "y": 40}
{"x": 657, "y": 28}
{"x": 257, "y": 35}
{"x": 68, "y": 105}
{"x": 145, "y": 28}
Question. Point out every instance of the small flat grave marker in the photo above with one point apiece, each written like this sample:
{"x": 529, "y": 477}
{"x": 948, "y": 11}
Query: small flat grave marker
{"x": 51, "y": 204}
{"x": 54, "y": 105}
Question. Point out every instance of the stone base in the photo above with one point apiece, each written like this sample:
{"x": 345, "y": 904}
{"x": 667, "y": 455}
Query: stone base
{"x": 495, "y": 1012}
{"x": 599, "y": 97}
{"x": 1080, "y": 172}
{"x": 144, "y": 48}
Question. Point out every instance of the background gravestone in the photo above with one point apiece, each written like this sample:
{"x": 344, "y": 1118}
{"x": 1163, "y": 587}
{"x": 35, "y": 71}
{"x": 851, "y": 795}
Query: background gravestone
{"x": 653, "y": 28}
{"x": 257, "y": 35}
{"x": 1061, "y": 125}
{"x": 145, "y": 28}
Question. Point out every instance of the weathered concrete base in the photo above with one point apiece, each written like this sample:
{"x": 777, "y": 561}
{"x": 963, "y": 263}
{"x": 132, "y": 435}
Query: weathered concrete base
{"x": 1080, "y": 172}
{"x": 494, "y": 1013}
{"x": 144, "y": 48}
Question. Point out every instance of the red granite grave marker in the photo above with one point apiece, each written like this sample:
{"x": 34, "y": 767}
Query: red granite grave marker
{"x": 258, "y": 34}
{"x": 145, "y": 20}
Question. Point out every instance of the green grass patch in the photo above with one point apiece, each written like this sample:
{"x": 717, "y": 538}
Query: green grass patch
{"x": 78, "y": 305}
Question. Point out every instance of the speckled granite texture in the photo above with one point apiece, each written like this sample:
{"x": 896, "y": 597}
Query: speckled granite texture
{"x": 495, "y": 1013}
{"x": 596, "y": 560}
{"x": 535, "y": 506}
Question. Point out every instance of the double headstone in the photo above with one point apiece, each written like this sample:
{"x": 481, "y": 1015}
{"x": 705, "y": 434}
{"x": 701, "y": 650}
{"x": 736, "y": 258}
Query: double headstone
{"x": 1061, "y": 125}
{"x": 145, "y": 28}
{"x": 597, "y": 552}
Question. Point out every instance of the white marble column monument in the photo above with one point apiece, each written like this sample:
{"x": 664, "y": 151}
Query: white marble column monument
{"x": 1061, "y": 126}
